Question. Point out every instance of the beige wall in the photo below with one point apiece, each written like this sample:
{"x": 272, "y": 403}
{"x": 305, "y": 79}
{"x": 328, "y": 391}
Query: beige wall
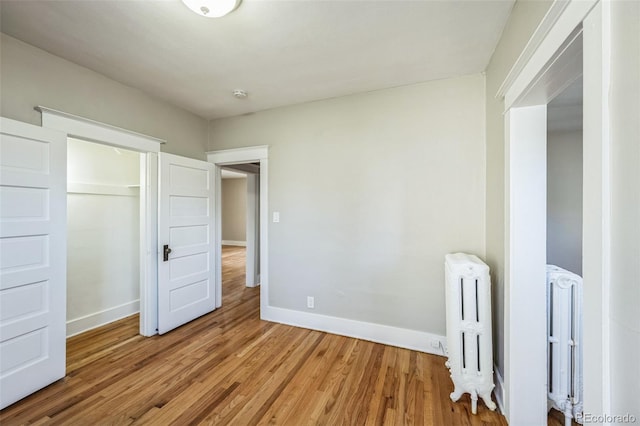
{"x": 564, "y": 199}
{"x": 234, "y": 210}
{"x": 30, "y": 76}
{"x": 373, "y": 190}
{"x": 625, "y": 207}
{"x": 524, "y": 19}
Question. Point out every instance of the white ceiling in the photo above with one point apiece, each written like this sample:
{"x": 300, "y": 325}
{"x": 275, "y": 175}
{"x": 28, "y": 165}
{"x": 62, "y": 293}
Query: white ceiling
{"x": 282, "y": 52}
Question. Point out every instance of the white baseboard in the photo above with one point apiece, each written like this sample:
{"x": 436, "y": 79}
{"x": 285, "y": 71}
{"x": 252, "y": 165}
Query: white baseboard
{"x": 234, "y": 243}
{"x": 388, "y": 335}
{"x": 499, "y": 389}
{"x": 88, "y": 322}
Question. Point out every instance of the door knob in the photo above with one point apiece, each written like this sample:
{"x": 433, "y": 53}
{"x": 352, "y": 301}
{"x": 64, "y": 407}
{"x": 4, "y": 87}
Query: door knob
{"x": 166, "y": 252}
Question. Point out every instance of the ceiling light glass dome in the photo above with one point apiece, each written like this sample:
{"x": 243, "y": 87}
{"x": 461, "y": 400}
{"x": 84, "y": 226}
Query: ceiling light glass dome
{"x": 212, "y": 8}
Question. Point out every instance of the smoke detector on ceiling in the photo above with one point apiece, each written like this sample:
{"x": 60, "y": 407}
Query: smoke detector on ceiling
{"x": 240, "y": 94}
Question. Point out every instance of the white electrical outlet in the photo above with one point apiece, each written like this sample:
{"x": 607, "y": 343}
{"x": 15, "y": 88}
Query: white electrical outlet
{"x": 310, "y": 302}
{"x": 276, "y": 217}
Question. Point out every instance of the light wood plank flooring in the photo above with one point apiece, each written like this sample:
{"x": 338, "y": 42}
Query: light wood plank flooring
{"x": 556, "y": 418}
{"x": 230, "y": 368}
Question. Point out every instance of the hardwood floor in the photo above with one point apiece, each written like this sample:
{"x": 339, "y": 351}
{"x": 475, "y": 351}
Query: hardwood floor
{"x": 229, "y": 367}
{"x": 556, "y": 418}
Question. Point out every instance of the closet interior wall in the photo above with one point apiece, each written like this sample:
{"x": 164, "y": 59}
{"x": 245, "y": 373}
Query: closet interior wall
{"x": 103, "y": 218}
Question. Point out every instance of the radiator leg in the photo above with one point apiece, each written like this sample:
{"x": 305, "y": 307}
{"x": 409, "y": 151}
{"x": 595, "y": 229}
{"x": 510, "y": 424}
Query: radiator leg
{"x": 456, "y": 394}
{"x": 486, "y": 397}
{"x": 568, "y": 413}
{"x": 474, "y": 402}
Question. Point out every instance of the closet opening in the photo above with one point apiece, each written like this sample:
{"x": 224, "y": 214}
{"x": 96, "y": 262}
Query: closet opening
{"x": 103, "y": 234}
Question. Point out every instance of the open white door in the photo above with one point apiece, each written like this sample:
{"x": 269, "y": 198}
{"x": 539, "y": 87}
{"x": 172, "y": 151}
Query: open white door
{"x": 186, "y": 282}
{"x": 33, "y": 166}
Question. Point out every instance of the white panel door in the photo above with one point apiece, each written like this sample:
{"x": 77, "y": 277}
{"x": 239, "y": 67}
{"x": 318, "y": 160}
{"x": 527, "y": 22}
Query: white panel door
{"x": 33, "y": 167}
{"x": 186, "y": 283}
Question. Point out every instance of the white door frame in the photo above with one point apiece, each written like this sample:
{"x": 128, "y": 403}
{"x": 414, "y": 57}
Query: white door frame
{"x": 239, "y": 156}
{"x": 252, "y": 267}
{"x": 148, "y": 147}
{"x": 525, "y": 272}
{"x": 532, "y": 76}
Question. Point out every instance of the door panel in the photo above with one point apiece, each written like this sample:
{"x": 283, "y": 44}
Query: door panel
{"x": 186, "y": 278}
{"x": 32, "y": 258}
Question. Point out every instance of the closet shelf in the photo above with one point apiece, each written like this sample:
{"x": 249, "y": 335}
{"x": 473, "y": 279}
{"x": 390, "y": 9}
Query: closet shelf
{"x": 98, "y": 189}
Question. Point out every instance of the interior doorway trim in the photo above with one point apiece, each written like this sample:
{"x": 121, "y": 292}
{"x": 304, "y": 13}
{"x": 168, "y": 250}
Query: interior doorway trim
{"x": 551, "y": 34}
{"x": 94, "y": 131}
{"x": 545, "y": 68}
{"x": 525, "y": 343}
{"x": 148, "y": 147}
{"x": 239, "y": 156}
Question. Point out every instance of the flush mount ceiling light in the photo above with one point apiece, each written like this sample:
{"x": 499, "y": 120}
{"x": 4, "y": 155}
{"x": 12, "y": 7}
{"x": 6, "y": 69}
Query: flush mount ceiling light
{"x": 212, "y": 8}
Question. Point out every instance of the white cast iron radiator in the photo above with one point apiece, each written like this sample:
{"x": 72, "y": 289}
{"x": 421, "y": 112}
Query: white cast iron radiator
{"x": 564, "y": 333}
{"x": 468, "y": 294}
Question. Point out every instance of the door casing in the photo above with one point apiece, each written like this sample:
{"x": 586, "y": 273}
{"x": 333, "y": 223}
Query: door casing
{"x": 239, "y": 156}
{"x": 532, "y": 81}
{"x": 148, "y": 147}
